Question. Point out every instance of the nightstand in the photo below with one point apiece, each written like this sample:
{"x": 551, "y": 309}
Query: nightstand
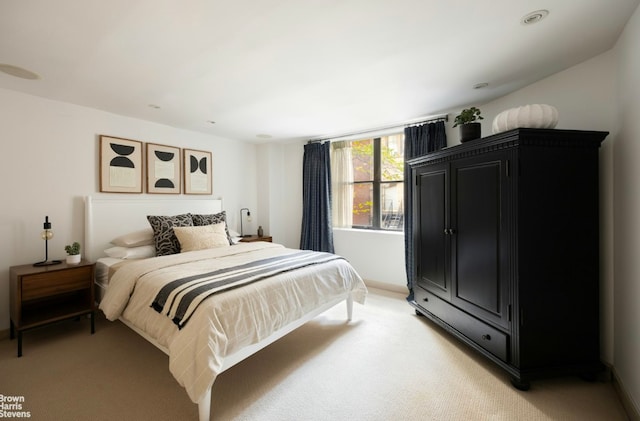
{"x": 40, "y": 295}
{"x": 252, "y": 238}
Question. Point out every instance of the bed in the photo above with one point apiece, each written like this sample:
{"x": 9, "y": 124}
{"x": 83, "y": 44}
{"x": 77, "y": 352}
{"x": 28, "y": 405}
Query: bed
{"x": 261, "y": 291}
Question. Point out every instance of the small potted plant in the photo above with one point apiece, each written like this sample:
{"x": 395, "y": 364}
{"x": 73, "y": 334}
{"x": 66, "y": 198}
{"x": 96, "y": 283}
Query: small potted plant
{"x": 73, "y": 252}
{"x": 469, "y": 128}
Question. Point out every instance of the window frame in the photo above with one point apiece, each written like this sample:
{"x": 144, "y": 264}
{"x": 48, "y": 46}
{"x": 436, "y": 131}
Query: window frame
{"x": 376, "y": 216}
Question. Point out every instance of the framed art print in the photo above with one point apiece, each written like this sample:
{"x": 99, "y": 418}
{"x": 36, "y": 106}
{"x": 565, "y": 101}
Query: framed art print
{"x": 120, "y": 165}
{"x": 197, "y": 171}
{"x": 163, "y": 169}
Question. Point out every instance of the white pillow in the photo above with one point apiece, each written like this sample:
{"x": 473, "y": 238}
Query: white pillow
{"x": 140, "y": 252}
{"x": 202, "y": 237}
{"x": 235, "y": 236}
{"x": 134, "y": 239}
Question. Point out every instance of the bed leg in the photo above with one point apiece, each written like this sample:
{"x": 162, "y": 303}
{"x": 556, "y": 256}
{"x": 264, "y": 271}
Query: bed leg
{"x": 349, "y": 307}
{"x": 204, "y": 406}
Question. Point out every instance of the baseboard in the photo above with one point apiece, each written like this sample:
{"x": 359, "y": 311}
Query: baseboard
{"x": 388, "y": 287}
{"x": 629, "y": 406}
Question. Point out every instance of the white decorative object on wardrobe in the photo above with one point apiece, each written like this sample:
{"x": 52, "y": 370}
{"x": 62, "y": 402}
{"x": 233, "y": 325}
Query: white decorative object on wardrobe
{"x": 534, "y": 116}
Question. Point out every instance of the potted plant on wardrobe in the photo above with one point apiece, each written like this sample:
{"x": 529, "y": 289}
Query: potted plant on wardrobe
{"x": 469, "y": 128}
{"x": 73, "y": 251}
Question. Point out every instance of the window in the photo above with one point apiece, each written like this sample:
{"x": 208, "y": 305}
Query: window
{"x": 377, "y": 185}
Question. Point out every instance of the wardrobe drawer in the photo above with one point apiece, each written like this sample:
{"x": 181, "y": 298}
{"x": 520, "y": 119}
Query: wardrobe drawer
{"x": 488, "y": 337}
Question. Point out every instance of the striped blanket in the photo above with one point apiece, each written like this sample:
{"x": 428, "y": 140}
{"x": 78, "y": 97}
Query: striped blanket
{"x": 178, "y": 299}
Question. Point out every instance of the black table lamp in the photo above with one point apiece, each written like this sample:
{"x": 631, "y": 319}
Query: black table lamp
{"x": 248, "y": 219}
{"x": 47, "y": 235}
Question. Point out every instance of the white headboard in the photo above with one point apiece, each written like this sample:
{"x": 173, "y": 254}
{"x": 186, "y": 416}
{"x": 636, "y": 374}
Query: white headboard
{"x": 106, "y": 218}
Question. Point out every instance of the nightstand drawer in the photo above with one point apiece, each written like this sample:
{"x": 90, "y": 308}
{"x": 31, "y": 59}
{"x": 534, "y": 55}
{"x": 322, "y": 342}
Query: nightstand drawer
{"x": 55, "y": 282}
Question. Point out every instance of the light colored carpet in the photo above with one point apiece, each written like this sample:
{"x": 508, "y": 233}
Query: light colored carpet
{"x": 387, "y": 364}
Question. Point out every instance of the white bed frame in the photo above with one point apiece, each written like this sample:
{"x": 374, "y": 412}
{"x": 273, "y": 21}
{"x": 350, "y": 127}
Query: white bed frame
{"x": 109, "y": 217}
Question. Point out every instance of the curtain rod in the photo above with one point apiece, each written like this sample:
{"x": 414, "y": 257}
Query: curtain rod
{"x": 416, "y": 121}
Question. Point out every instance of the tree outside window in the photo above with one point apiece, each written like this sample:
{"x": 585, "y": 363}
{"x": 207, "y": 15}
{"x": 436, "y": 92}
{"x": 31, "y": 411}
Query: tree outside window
{"x": 378, "y": 182}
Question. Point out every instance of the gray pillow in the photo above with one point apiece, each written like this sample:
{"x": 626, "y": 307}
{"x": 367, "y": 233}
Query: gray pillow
{"x": 211, "y": 219}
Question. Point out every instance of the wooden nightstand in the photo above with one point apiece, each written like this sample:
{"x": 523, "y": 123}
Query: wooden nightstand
{"x": 47, "y": 294}
{"x": 252, "y": 238}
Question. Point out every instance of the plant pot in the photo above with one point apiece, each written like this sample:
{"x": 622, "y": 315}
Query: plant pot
{"x": 73, "y": 259}
{"x": 470, "y": 131}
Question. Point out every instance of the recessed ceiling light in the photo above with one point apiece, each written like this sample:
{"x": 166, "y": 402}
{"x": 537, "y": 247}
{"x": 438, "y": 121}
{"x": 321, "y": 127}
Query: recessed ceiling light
{"x": 18, "y": 72}
{"x": 480, "y": 85}
{"x": 534, "y": 17}
{"x": 264, "y": 136}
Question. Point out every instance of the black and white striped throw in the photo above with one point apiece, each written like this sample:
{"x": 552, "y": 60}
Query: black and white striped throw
{"x": 179, "y": 299}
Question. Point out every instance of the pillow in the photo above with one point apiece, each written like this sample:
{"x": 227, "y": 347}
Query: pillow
{"x": 202, "y": 237}
{"x": 140, "y": 252}
{"x": 216, "y": 218}
{"x": 164, "y": 238}
{"x": 134, "y": 239}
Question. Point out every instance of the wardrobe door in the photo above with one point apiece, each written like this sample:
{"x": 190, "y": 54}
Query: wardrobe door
{"x": 432, "y": 239}
{"x": 479, "y": 240}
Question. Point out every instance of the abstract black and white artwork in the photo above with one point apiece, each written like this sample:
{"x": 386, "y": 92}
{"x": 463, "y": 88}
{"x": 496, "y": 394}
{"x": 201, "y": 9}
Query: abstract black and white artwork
{"x": 120, "y": 165}
{"x": 163, "y": 169}
{"x": 197, "y": 172}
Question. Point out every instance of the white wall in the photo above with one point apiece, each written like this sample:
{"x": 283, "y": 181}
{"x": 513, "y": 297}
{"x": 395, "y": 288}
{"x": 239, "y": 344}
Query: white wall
{"x": 50, "y": 162}
{"x": 378, "y": 256}
{"x": 280, "y": 191}
{"x": 626, "y": 204}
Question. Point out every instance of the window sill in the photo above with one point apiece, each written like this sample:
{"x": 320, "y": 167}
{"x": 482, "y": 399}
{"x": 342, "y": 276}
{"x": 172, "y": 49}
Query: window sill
{"x": 370, "y": 231}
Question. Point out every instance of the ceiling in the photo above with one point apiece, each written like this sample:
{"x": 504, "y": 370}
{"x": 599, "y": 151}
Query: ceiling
{"x": 267, "y": 70}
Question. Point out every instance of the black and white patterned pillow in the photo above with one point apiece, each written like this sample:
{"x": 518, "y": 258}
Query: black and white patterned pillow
{"x": 216, "y": 218}
{"x": 164, "y": 238}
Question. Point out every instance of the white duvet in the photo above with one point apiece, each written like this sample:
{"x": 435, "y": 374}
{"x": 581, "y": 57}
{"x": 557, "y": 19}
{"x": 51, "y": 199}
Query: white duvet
{"x": 227, "y": 322}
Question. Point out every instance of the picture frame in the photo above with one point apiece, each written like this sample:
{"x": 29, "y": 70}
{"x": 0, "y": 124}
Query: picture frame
{"x": 164, "y": 170}
{"x": 120, "y": 165}
{"x": 197, "y": 167}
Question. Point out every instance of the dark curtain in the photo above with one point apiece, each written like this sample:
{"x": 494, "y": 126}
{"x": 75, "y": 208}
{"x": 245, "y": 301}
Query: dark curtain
{"x": 418, "y": 141}
{"x": 317, "y": 231}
